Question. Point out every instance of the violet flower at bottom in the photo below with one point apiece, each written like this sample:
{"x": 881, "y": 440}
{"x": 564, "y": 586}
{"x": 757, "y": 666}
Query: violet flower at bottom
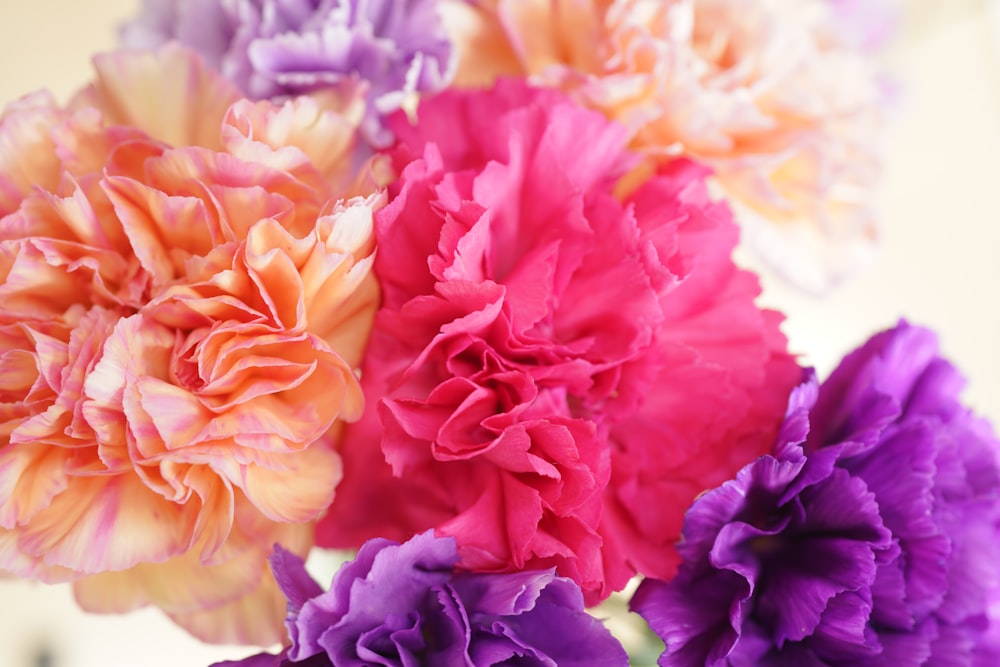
{"x": 403, "y": 604}
{"x": 869, "y": 536}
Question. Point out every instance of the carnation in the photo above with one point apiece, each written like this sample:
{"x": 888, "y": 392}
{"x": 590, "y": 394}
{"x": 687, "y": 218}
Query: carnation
{"x": 868, "y": 537}
{"x": 533, "y": 328}
{"x": 184, "y": 302}
{"x": 769, "y": 94}
{"x": 385, "y": 53}
{"x": 403, "y": 604}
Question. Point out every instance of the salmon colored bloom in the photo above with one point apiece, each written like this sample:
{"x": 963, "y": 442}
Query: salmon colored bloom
{"x": 767, "y": 93}
{"x": 184, "y": 299}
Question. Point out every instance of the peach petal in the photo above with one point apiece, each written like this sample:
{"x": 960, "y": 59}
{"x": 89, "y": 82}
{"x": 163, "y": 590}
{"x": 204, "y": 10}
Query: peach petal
{"x": 15, "y": 561}
{"x": 156, "y": 583}
{"x": 170, "y": 94}
{"x": 111, "y": 592}
{"x": 240, "y": 208}
{"x": 175, "y": 416}
{"x": 293, "y": 489}
{"x": 86, "y": 344}
{"x": 303, "y": 136}
{"x": 238, "y": 621}
{"x": 32, "y": 287}
{"x": 349, "y": 226}
{"x": 48, "y": 426}
{"x": 336, "y": 383}
{"x": 269, "y": 258}
{"x": 269, "y": 423}
{"x": 76, "y": 530}
{"x": 196, "y": 307}
{"x": 105, "y": 272}
{"x": 84, "y": 144}
{"x": 213, "y": 533}
{"x": 340, "y": 290}
{"x": 31, "y": 475}
{"x": 162, "y": 230}
{"x": 252, "y": 377}
{"x": 78, "y": 215}
{"x": 232, "y": 351}
{"x": 346, "y": 325}
{"x": 27, "y": 153}
{"x": 484, "y": 51}
{"x": 169, "y": 479}
{"x": 552, "y": 33}
{"x": 110, "y": 433}
{"x": 136, "y": 346}
{"x": 254, "y": 619}
{"x": 178, "y": 168}
{"x": 19, "y": 371}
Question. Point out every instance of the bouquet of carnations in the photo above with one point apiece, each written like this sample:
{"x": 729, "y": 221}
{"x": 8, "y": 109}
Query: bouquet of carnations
{"x": 449, "y": 284}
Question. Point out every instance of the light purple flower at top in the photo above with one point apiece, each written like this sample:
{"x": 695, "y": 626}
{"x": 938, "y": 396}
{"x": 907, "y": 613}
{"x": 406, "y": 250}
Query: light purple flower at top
{"x": 869, "y": 537}
{"x": 395, "y": 49}
{"x": 402, "y": 604}
{"x": 866, "y": 24}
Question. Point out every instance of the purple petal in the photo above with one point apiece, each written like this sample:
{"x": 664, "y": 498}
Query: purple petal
{"x": 504, "y": 595}
{"x": 566, "y": 637}
{"x": 753, "y": 493}
{"x": 294, "y": 581}
{"x": 699, "y": 620}
{"x": 844, "y": 633}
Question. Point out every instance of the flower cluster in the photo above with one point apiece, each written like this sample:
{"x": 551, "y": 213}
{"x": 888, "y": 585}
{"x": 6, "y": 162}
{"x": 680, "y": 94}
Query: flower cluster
{"x": 871, "y": 536}
{"x": 451, "y": 283}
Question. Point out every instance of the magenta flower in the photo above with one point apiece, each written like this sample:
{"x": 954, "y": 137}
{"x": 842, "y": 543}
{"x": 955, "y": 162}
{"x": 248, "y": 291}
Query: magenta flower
{"x": 869, "y": 537}
{"x": 402, "y": 604}
{"x": 539, "y": 336}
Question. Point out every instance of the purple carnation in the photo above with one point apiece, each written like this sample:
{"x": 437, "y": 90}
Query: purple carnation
{"x": 403, "y": 604}
{"x": 394, "y": 49}
{"x": 869, "y": 537}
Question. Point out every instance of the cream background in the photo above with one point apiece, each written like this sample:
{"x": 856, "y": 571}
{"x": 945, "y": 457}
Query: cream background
{"x": 939, "y": 265}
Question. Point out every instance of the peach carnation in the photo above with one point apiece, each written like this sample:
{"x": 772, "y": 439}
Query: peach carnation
{"x": 184, "y": 299}
{"x": 767, "y": 93}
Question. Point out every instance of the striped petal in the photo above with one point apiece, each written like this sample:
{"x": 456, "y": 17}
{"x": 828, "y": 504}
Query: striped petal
{"x": 171, "y": 95}
{"x": 108, "y": 523}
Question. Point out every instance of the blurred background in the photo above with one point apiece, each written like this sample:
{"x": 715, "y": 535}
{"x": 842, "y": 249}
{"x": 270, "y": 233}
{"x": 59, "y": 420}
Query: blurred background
{"x": 939, "y": 264}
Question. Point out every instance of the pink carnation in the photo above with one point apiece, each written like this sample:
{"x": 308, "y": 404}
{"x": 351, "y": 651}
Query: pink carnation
{"x": 183, "y": 303}
{"x": 767, "y": 93}
{"x": 527, "y": 315}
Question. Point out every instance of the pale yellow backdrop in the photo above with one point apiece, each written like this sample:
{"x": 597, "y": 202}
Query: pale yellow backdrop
{"x": 939, "y": 265}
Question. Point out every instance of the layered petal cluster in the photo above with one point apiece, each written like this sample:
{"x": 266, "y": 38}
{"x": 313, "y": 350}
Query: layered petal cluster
{"x": 871, "y": 536}
{"x": 768, "y": 94}
{"x": 184, "y": 302}
{"x": 386, "y": 52}
{"x": 403, "y": 605}
{"x": 538, "y": 337}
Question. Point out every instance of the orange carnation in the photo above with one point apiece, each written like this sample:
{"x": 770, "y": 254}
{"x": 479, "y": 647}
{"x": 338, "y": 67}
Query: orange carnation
{"x": 767, "y": 93}
{"x": 185, "y": 295}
